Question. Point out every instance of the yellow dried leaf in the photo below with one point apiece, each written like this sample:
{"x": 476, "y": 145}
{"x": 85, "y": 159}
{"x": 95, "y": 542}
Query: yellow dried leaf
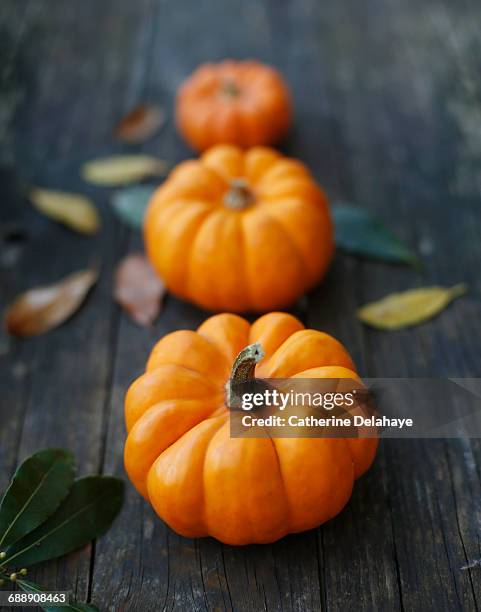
{"x": 411, "y": 307}
{"x": 72, "y": 209}
{"x": 123, "y": 169}
{"x": 40, "y": 309}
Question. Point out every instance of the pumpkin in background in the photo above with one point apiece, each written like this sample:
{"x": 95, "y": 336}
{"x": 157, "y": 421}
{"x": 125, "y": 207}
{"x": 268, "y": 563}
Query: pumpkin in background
{"x": 239, "y": 230}
{"x": 243, "y": 103}
{"x": 179, "y": 453}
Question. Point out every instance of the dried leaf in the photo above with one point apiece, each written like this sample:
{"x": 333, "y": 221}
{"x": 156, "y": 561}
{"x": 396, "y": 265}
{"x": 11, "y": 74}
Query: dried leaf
{"x": 138, "y": 289}
{"x": 72, "y": 209}
{"x": 130, "y": 203}
{"x": 38, "y": 310}
{"x": 123, "y": 169}
{"x": 359, "y": 232}
{"x": 140, "y": 124}
{"x": 411, "y": 307}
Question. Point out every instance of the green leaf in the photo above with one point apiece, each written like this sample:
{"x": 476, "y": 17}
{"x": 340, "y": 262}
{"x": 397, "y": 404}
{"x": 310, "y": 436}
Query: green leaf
{"x": 31, "y": 587}
{"x": 130, "y": 203}
{"x": 38, "y": 487}
{"x": 359, "y": 232}
{"x": 87, "y": 512}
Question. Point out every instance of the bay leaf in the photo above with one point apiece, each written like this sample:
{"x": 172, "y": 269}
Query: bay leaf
{"x": 88, "y": 511}
{"x": 359, "y": 232}
{"x": 130, "y": 203}
{"x": 140, "y": 124}
{"x": 40, "y": 309}
{"x": 412, "y": 307}
{"x": 31, "y": 587}
{"x": 37, "y": 488}
{"x": 72, "y": 209}
{"x": 123, "y": 169}
{"x": 138, "y": 289}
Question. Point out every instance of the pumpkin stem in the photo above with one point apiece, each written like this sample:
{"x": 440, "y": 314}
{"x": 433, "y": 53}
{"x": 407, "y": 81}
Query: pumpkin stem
{"x": 230, "y": 88}
{"x": 239, "y": 195}
{"x": 243, "y": 371}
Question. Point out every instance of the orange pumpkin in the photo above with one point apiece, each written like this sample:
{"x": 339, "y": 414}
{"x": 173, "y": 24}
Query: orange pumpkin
{"x": 179, "y": 453}
{"x": 239, "y": 231}
{"x": 242, "y": 103}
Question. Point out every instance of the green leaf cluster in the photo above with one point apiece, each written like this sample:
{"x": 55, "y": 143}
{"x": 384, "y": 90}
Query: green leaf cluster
{"x": 46, "y": 513}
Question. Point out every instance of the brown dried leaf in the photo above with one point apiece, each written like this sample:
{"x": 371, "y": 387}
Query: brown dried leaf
{"x": 140, "y": 124}
{"x": 40, "y": 309}
{"x": 138, "y": 289}
{"x": 72, "y": 209}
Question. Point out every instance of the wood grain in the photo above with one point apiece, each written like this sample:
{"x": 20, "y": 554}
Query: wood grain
{"x": 387, "y": 102}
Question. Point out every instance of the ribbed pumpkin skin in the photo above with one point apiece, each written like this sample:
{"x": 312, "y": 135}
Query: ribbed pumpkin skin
{"x": 245, "y": 103}
{"x": 179, "y": 453}
{"x": 260, "y": 258}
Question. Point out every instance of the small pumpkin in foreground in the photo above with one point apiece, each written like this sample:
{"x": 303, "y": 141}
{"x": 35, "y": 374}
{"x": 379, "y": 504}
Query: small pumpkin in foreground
{"x": 245, "y": 103}
{"x": 179, "y": 453}
{"x": 239, "y": 230}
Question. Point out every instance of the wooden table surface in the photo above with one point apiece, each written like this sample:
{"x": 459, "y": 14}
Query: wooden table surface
{"x": 388, "y": 115}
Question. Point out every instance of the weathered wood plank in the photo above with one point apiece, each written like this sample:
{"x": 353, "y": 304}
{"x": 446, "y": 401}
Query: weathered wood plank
{"x": 384, "y": 117}
{"x": 71, "y": 79}
{"x": 204, "y": 574}
{"x": 151, "y": 564}
{"x": 404, "y": 156}
{"x": 16, "y": 359}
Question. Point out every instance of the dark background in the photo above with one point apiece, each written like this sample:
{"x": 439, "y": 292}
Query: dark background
{"x": 388, "y": 115}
